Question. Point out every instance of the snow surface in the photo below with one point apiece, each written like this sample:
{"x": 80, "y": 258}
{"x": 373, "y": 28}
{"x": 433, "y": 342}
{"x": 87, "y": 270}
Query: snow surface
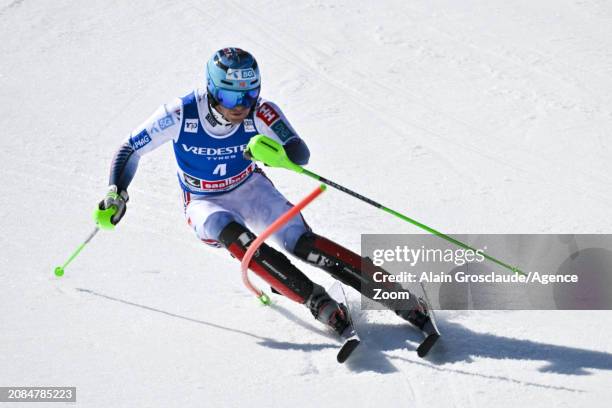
{"x": 476, "y": 116}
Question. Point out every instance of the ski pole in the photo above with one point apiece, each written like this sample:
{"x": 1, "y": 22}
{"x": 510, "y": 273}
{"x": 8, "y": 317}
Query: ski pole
{"x": 59, "y": 270}
{"x": 104, "y": 220}
{"x": 270, "y": 152}
{"x": 279, "y": 222}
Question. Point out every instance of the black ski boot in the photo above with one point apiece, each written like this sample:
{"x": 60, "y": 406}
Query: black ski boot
{"x": 326, "y": 310}
{"x": 418, "y": 316}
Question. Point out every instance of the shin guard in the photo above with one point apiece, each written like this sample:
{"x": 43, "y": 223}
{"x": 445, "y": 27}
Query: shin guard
{"x": 346, "y": 266}
{"x": 269, "y": 264}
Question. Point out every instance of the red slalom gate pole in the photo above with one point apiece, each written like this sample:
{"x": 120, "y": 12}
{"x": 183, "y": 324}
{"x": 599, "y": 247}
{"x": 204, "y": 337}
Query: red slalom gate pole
{"x": 280, "y": 221}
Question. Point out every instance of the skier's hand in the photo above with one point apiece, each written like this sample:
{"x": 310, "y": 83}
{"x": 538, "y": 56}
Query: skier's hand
{"x": 270, "y": 152}
{"x": 112, "y": 208}
{"x": 248, "y": 156}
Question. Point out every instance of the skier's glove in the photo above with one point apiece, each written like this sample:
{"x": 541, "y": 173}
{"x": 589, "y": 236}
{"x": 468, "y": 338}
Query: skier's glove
{"x": 247, "y": 155}
{"x": 111, "y": 209}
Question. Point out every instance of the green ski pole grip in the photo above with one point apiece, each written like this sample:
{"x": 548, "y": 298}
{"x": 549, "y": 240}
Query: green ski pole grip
{"x": 103, "y": 217}
{"x": 271, "y": 153}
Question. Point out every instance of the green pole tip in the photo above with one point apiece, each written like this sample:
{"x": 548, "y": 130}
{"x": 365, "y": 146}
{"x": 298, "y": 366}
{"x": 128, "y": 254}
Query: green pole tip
{"x": 323, "y": 187}
{"x": 265, "y": 299}
{"x": 59, "y": 271}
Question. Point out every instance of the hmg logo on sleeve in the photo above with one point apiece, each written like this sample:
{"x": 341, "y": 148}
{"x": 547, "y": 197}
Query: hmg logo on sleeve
{"x": 140, "y": 140}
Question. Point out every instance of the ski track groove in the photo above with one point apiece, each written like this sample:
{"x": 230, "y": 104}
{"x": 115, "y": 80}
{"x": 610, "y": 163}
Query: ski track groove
{"x": 525, "y": 66}
{"x": 315, "y": 71}
{"x": 527, "y": 160}
{"x": 11, "y": 6}
{"x": 508, "y": 58}
{"x": 89, "y": 186}
{"x": 358, "y": 96}
{"x": 415, "y": 400}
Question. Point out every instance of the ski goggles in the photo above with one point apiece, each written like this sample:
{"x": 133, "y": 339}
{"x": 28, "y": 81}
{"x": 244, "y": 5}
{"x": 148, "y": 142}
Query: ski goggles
{"x": 230, "y": 99}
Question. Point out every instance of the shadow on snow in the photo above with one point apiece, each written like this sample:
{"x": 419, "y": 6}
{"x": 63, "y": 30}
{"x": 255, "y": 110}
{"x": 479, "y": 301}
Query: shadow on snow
{"x": 458, "y": 344}
{"x": 261, "y": 340}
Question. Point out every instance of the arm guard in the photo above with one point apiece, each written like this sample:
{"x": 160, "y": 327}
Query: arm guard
{"x": 297, "y": 151}
{"x": 123, "y": 167}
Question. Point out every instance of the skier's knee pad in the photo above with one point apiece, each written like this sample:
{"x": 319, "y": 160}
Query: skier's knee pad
{"x": 271, "y": 265}
{"x": 306, "y": 249}
{"x": 325, "y": 253}
{"x": 216, "y": 222}
{"x": 304, "y": 246}
{"x": 235, "y": 233}
{"x": 336, "y": 260}
{"x": 343, "y": 264}
{"x": 290, "y": 236}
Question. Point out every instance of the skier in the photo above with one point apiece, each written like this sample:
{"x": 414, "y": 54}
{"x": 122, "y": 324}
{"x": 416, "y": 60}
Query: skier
{"x": 225, "y": 193}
